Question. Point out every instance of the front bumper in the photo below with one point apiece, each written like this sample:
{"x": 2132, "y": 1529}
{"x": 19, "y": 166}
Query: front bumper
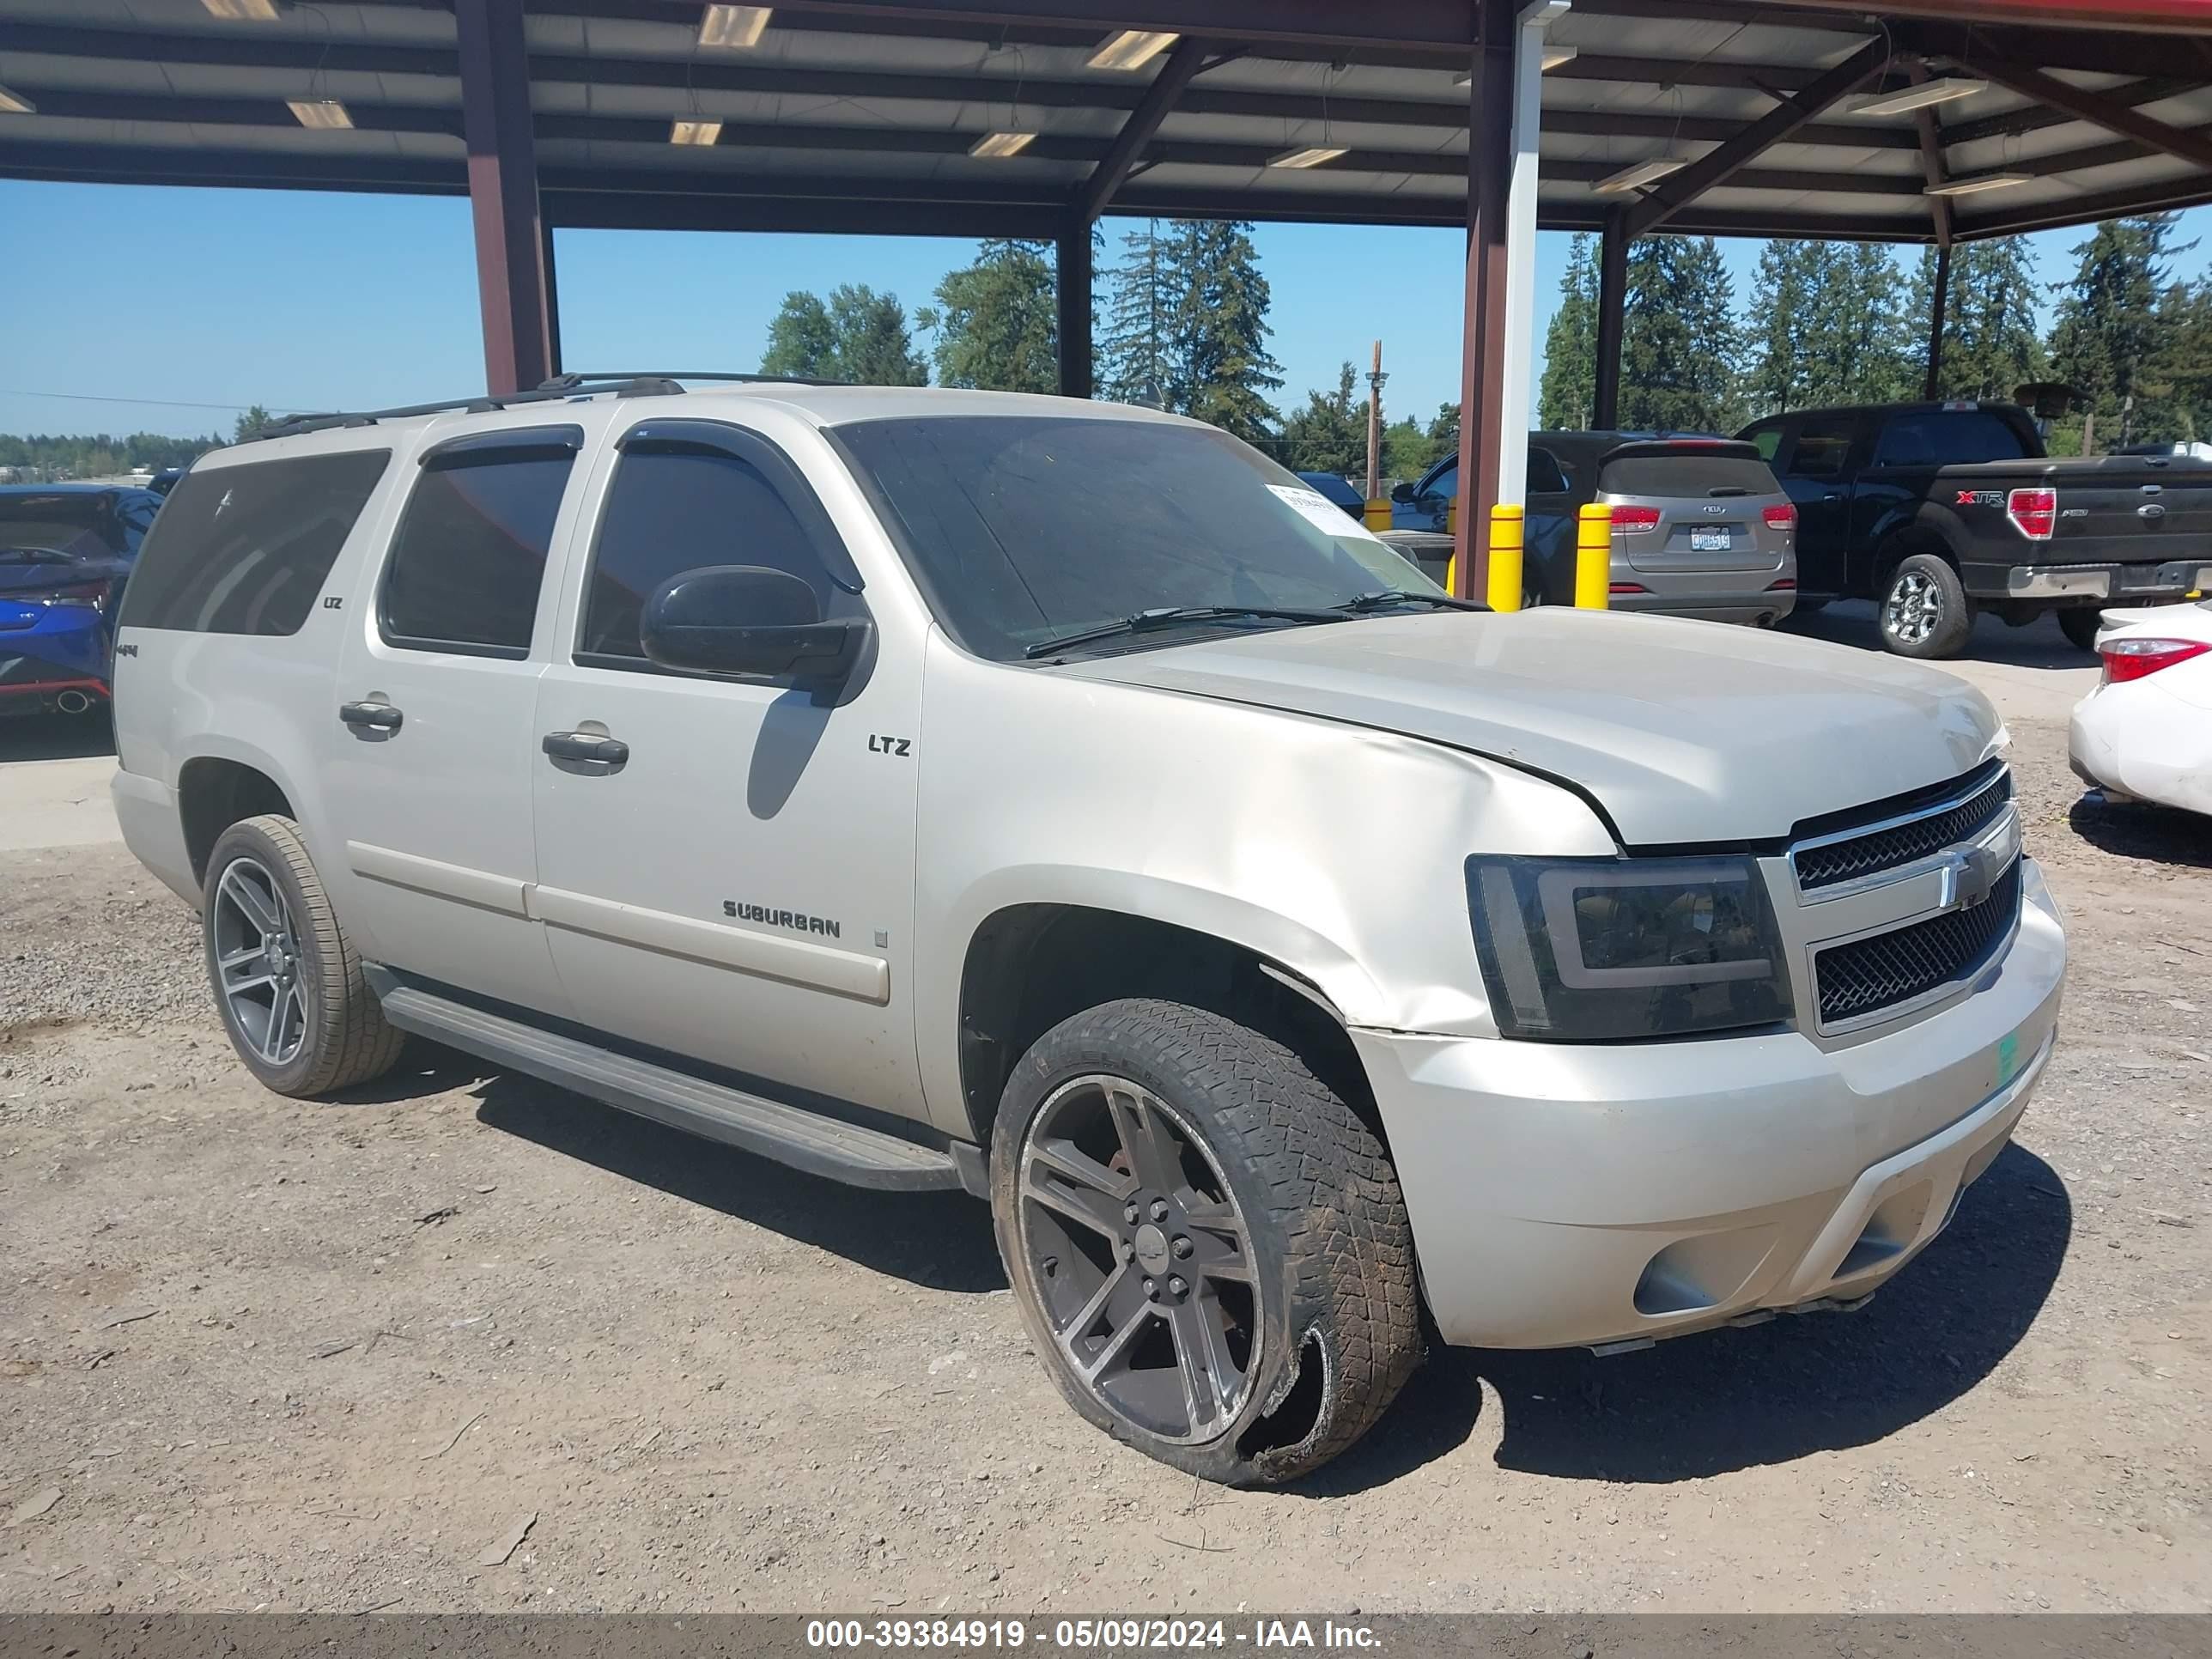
{"x": 1567, "y": 1195}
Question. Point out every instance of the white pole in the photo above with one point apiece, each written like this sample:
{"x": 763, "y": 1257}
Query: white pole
{"x": 1521, "y": 248}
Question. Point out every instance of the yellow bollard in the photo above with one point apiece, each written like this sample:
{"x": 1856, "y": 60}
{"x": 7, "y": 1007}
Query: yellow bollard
{"x": 1378, "y": 514}
{"x": 1506, "y": 529}
{"x": 1593, "y": 556}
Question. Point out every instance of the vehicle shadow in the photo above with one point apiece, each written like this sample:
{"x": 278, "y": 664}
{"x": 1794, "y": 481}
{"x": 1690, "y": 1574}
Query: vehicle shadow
{"x": 2037, "y": 645}
{"x": 2159, "y": 834}
{"x": 939, "y": 1240}
{"x": 55, "y": 736}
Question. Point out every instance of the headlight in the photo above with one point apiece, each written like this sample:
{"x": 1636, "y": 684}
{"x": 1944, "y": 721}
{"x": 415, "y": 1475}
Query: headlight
{"x": 1604, "y": 950}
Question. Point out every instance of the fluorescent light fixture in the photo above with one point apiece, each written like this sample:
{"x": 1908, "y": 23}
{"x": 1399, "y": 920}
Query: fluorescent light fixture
{"x": 1979, "y": 182}
{"x": 996, "y": 144}
{"x": 1554, "y": 57}
{"x": 1926, "y": 94}
{"x": 243, "y": 11}
{"x": 324, "y": 114}
{"x": 1132, "y": 48}
{"x": 733, "y": 27}
{"x": 15, "y": 104}
{"x": 1639, "y": 173}
{"x": 695, "y": 132}
{"x": 1304, "y": 158}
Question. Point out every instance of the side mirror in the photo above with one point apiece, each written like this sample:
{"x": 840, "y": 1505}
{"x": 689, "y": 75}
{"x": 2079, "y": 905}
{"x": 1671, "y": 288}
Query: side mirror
{"x": 1402, "y": 492}
{"x": 746, "y": 619}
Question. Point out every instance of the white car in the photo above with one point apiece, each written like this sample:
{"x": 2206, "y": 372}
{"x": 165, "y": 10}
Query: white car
{"x": 2145, "y": 733}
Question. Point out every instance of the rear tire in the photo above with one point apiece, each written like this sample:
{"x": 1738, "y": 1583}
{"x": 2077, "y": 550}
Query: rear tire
{"x": 1261, "y": 1313}
{"x": 1925, "y": 612}
{"x": 285, "y": 979}
{"x": 2080, "y": 626}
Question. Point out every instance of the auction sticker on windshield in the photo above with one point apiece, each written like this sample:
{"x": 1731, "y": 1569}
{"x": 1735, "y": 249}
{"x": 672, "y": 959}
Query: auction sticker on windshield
{"x": 1316, "y": 508}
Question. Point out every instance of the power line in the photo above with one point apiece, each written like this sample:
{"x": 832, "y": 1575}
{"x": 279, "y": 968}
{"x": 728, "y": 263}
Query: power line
{"x": 149, "y": 403}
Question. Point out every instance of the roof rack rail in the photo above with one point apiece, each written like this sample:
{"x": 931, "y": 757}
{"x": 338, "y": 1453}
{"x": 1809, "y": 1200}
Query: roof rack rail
{"x": 561, "y": 386}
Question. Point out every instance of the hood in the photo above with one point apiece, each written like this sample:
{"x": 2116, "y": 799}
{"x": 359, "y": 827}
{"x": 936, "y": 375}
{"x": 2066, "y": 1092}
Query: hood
{"x": 1684, "y": 732}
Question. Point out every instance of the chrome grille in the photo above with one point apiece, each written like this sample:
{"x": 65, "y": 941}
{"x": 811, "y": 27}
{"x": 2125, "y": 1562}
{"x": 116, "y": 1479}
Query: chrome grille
{"x": 1888, "y": 843}
{"x": 1868, "y": 975}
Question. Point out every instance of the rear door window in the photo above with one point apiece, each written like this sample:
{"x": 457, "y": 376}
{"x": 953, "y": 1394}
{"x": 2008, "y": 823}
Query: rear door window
{"x": 1822, "y": 448}
{"x": 1544, "y": 477}
{"x": 469, "y": 556}
{"x": 246, "y": 549}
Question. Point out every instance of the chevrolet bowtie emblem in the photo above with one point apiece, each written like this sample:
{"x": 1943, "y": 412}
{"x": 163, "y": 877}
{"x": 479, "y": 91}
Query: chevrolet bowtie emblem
{"x": 1969, "y": 874}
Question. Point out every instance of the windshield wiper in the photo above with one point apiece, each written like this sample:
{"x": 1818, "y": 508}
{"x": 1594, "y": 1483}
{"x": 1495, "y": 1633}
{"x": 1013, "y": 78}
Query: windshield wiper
{"x": 1169, "y": 616}
{"x": 1389, "y": 596}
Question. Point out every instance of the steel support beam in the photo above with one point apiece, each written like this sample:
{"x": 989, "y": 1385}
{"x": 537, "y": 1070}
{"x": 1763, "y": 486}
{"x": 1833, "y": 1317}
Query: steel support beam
{"x": 503, "y": 194}
{"x": 2193, "y": 147}
{"x": 1611, "y": 314}
{"x": 552, "y": 297}
{"x": 1431, "y": 24}
{"x": 1517, "y": 347}
{"x": 1074, "y": 272}
{"x": 1482, "y": 355}
{"x": 1717, "y": 165}
{"x": 1184, "y": 61}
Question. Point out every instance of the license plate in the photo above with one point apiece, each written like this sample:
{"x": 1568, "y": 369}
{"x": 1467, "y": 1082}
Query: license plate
{"x": 1709, "y": 541}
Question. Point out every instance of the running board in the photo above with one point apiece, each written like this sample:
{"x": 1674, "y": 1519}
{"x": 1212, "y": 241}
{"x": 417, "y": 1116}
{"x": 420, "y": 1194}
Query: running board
{"x": 805, "y": 1141}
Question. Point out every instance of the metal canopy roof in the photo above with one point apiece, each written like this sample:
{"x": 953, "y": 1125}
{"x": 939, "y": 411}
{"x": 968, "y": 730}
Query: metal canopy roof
{"x": 858, "y": 116}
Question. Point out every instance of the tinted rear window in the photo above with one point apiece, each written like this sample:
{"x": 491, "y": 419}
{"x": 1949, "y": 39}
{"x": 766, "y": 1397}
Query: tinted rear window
{"x": 245, "y": 550}
{"x": 1948, "y": 437}
{"x": 1686, "y": 472}
{"x": 469, "y": 556}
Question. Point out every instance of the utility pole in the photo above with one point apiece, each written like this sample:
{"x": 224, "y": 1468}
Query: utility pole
{"x": 1375, "y": 379}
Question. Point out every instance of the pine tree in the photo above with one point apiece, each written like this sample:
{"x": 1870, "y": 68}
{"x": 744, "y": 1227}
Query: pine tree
{"x": 997, "y": 321}
{"x": 1851, "y": 352}
{"x": 1569, "y": 385}
{"x": 1134, "y": 345}
{"x": 2109, "y": 321}
{"x": 251, "y": 421}
{"x": 801, "y": 340}
{"x": 1990, "y": 342}
{"x": 1330, "y": 435}
{"x": 2175, "y": 392}
{"x": 873, "y": 345}
{"x": 1218, "y": 361}
{"x": 1679, "y": 338}
{"x": 1774, "y": 377}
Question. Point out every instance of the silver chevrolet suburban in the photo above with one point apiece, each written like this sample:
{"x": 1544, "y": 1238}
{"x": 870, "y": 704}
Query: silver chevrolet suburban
{"x": 944, "y": 789}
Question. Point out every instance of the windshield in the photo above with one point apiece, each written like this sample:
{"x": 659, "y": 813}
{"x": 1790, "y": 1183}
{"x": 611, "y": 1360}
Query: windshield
{"x": 79, "y": 526}
{"x": 1024, "y": 528}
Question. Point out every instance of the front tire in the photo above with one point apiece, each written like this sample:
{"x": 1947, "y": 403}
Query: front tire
{"x": 1208, "y": 1246}
{"x": 287, "y": 980}
{"x": 1925, "y": 613}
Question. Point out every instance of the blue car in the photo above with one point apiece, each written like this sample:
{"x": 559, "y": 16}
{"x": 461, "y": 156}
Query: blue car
{"x": 64, "y": 552}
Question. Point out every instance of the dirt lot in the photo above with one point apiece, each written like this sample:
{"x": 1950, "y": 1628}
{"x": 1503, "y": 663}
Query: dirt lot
{"x": 255, "y": 1353}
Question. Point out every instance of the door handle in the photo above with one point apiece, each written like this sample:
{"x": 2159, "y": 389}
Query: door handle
{"x": 609, "y": 752}
{"x": 1833, "y": 495}
{"x": 377, "y": 716}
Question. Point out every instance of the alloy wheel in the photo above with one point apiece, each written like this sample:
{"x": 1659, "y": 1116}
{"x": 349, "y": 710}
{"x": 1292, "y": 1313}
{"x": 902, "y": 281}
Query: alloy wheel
{"x": 1914, "y": 608}
{"x": 1141, "y": 1257}
{"x": 257, "y": 962}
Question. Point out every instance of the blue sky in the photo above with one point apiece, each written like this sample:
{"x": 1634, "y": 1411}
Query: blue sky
{"x": 149, "y": 305}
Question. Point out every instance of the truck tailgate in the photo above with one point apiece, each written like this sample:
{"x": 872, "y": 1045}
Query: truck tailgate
{"x": 2122, "y": 509}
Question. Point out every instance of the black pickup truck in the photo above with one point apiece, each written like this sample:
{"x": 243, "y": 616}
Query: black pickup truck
{"x": 1939, "y": 510}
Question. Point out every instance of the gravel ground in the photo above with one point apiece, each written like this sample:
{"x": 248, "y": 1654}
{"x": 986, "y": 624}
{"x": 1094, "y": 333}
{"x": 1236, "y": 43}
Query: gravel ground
{"x": 463, "y": 1341}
